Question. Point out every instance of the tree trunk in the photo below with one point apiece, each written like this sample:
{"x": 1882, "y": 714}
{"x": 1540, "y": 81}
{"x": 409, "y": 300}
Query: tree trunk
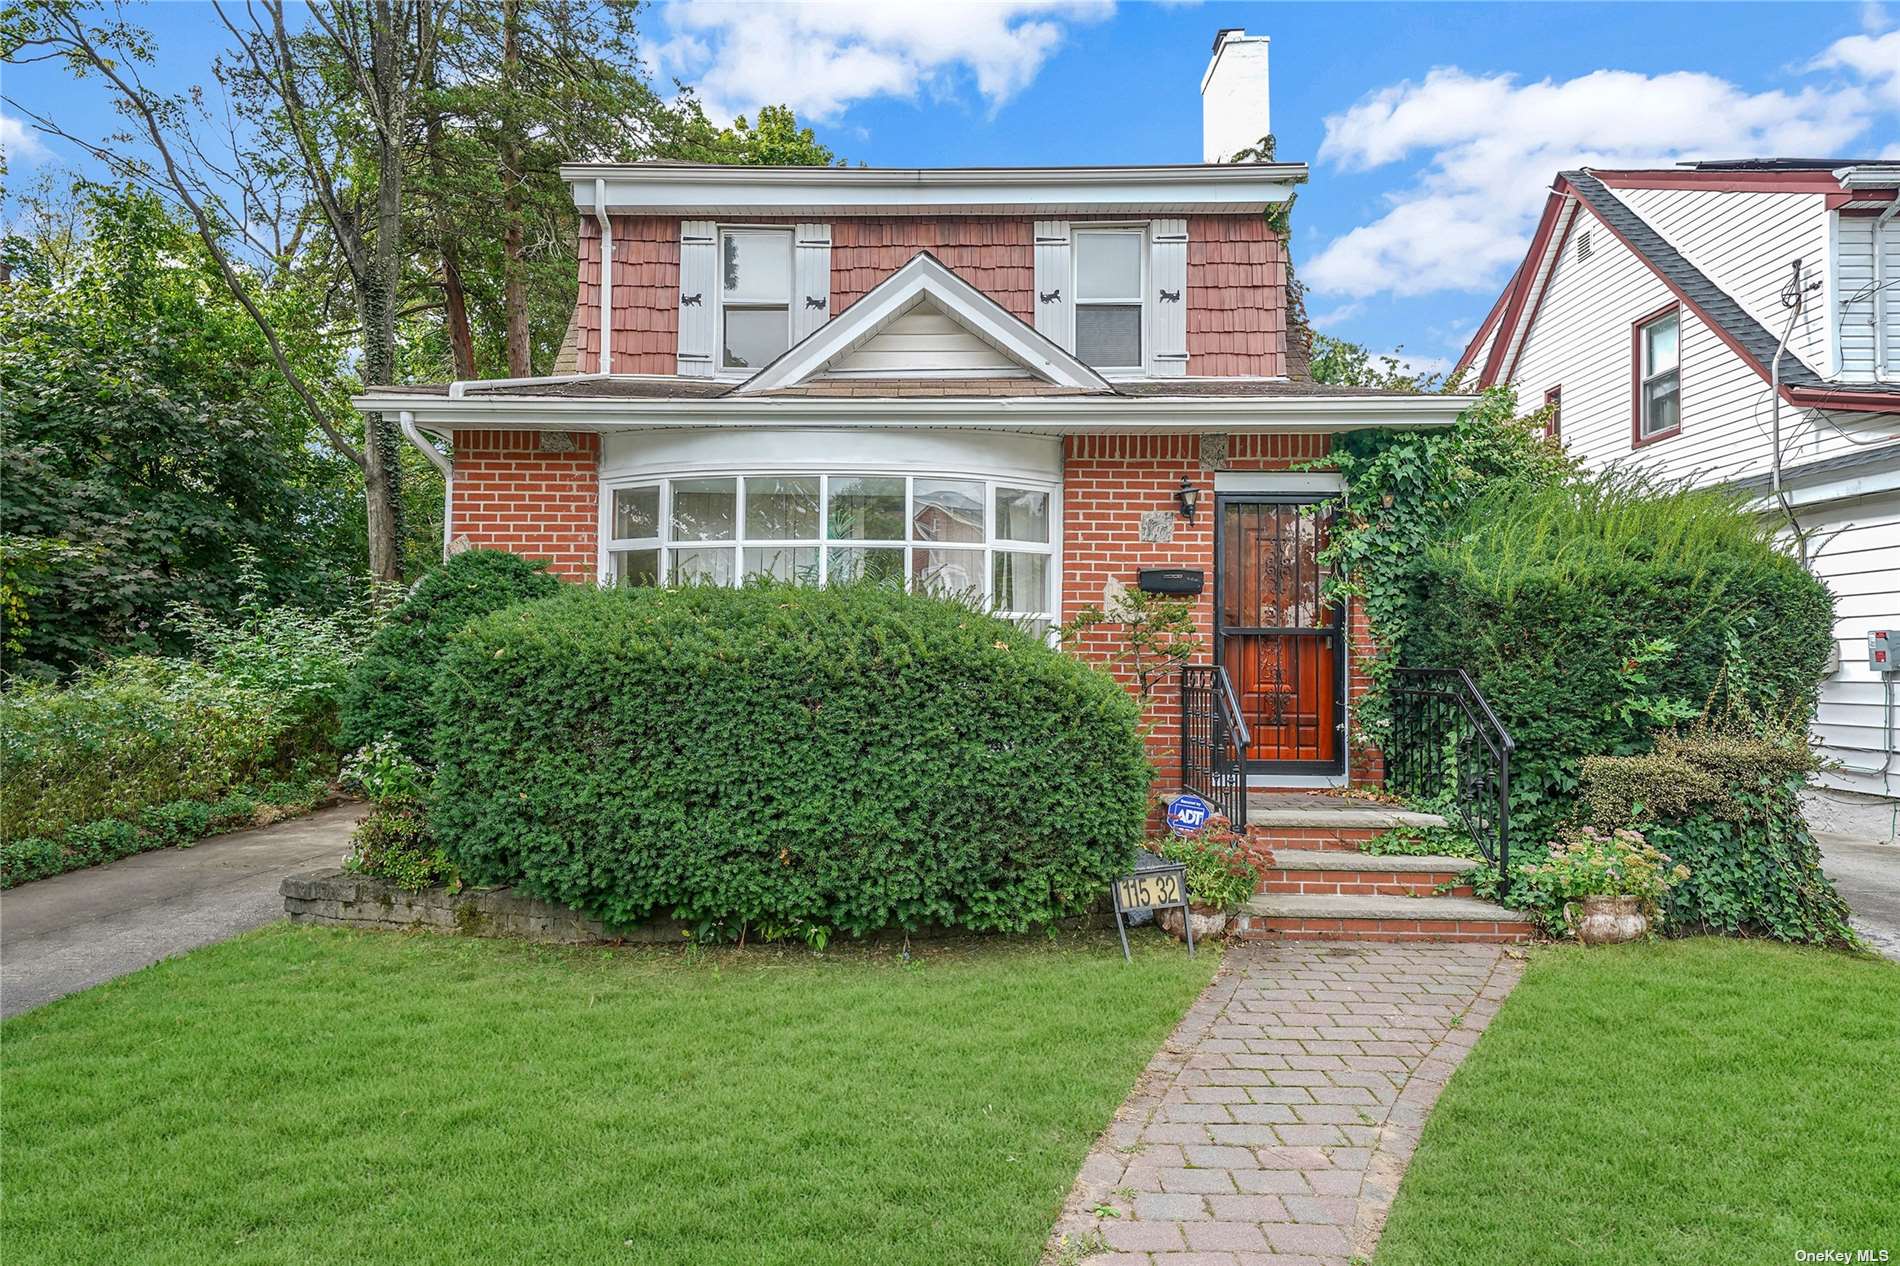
{"x": 461, "y": 337}
{"x": 382, "y": 438}
{"x": 514, "y": 296}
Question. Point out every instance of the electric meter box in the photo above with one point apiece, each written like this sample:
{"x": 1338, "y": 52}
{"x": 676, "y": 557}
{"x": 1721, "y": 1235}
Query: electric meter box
{"x": 1883, "y": 650}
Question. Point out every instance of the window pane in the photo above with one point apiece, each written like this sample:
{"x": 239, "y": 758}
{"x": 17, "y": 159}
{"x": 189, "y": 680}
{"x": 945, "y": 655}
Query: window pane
{"x": 1022, "y": 515}
{"x": 1022, "y": 581}
{"x": 795, "y": 563}
{"x": 1661, "y": 341}
{"x": 855, "y": 562}
{"x": 947, "y": 571}
{"x": 1661, "y": 407}
{"x": 757, "y": 266}
{"x": 637, "y": 567}
{"x": 1108, "y": 334}
{"x": 1108, "y": 266}
{"x": 755, "y": 337}
{"x": 705, "y": 565}
{"x": 636, "y": 513}
{"x": 704, "y": 509}
{"x": 779, "y": 509}
{"x": 946, "y": 510}
{"x": 866, "y": 508}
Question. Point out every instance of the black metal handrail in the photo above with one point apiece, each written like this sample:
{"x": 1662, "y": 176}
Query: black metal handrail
{"x": 1447, "y": 747}
{"x": 1214, "y": 742}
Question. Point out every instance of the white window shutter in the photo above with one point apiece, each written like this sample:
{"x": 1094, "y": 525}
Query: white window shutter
{"x": 811, "y": 279}
{"x": 1169, "y": 357}
{"x": 1054, "y": 282}
{"x": 699, "y": 297}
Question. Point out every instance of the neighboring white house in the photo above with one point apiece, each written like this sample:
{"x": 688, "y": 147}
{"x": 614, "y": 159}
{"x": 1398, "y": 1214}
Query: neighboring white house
{"x": 1652, "y": 308}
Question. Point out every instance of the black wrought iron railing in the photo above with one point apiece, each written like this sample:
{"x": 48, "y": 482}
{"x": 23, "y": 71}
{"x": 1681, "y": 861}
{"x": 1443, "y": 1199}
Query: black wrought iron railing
{"x": 1214, "y": 742}
{"x": 1448, "y": 749}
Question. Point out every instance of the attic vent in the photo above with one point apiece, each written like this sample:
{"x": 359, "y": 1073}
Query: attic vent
{"x": 1583, "y": 245}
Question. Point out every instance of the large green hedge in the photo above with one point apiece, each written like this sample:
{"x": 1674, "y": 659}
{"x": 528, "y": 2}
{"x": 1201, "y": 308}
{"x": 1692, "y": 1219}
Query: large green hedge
{"x": 789, "y": 761}
{"x": 388, "y": 694}
{"x": 1594, "y": 614}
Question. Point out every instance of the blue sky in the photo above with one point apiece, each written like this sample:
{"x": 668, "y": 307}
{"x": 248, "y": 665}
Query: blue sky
{"x": 1431, "y": 128}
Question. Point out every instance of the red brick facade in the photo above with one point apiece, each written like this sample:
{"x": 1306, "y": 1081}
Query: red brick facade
{"x": 533, "y": 493}
{"x": 1108, "y": 482}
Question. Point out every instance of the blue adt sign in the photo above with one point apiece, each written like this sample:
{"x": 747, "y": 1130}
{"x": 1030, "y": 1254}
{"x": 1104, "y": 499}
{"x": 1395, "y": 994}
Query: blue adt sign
{"x": 1189, "y": 813}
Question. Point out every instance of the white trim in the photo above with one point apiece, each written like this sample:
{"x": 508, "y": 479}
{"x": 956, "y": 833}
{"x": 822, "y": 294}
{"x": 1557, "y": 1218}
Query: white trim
{"x": 924, "y": 276}
{"x": 699, "y": 189}
{"x": 1278, "y": 481}
{"x": 606, "y": 355}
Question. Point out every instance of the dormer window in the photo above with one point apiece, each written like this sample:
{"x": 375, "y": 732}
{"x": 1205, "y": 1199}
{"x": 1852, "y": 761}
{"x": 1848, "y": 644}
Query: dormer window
{"x": 1108, "y": 291}
{"x": 755, "y": 297}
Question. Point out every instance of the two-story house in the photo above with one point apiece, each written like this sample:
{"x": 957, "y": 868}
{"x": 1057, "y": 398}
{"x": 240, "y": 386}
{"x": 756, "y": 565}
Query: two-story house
{"x": 1738, "y": 324}
{"x": 1048, "y": 387}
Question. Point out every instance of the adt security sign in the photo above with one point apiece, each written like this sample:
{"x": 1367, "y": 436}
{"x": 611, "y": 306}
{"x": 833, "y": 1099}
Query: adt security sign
{"x": 1188, "y": 814}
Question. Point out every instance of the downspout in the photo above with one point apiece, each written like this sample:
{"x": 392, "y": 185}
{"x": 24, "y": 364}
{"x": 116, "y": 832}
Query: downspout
{"x": 1882, "y": 373}
{"x": 441, "y": 463}
{"x": 606, "y": 276}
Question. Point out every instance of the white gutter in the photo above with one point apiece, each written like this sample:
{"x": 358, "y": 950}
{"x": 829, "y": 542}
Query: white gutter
{"x": 606, "y": 276}
{"x": 441, "y": 463}
{"x": 1882, "y": 372}
{"x": 461, "y": 385}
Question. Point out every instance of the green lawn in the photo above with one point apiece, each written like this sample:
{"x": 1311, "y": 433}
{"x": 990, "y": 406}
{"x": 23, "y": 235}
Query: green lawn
{"x": 1691, "y": 1101}
{"x": 318, "y": 1095}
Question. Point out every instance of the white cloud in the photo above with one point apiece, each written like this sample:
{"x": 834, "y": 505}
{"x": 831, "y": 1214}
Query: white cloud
{"x": 1489, "y": 146}
{"x": 19, "y": 143}
{"x": 820, "y": 58}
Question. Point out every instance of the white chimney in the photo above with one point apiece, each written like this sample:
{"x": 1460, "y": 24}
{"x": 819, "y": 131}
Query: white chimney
{"x": 1234, "y": 95}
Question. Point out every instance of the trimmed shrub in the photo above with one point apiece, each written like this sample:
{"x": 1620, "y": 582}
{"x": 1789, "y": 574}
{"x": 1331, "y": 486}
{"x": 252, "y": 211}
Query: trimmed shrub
{"x": 1725, "y": 802}
{"x": 1591, "y": 615}
{"x": 849, "y": 758}
{"x": 387, "y": 696}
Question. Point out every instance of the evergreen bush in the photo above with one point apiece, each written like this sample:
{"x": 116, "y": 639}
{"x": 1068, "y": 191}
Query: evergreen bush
{"x": 849, "y": 758}
{"x": 387, "y": 696}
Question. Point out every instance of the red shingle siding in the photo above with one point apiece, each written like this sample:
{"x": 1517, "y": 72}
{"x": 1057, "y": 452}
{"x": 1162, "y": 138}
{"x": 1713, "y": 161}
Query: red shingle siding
{"x": 996, "y": 254}
{"x": 1107, "y": 482}
{"x": 646, "y": 295}
{"x": 511, "y": 495}
{"x": 1236, "y": 297}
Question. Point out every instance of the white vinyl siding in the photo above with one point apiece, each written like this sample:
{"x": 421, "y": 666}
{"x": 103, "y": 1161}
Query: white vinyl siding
{"x": 1858, "y": 555}
{"x": 1745, "y": 243}
{"x": 926, "y": 340}
{"x": 1856, "y": 307}
{"x": 699, "y": 297}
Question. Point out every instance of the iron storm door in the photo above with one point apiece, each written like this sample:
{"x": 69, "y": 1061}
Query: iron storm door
{"x": 1282, "y": 642}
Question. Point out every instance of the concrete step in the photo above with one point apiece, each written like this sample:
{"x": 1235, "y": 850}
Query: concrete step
{"x": 1313, "y": 872}
{"x": 1279, "y": 809}
{"x": 1375, "y": 917}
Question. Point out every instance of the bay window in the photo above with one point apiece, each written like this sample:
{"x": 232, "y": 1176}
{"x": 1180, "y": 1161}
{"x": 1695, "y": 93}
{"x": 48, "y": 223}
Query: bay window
{"x": 991, "y": 540}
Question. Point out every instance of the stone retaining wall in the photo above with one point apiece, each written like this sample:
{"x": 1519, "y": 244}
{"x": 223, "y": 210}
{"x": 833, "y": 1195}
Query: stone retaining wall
{"x": 342, "y": 897}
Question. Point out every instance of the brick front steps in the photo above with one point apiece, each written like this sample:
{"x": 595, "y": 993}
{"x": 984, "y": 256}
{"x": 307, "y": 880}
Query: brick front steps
{"x": 1316, "y": 885}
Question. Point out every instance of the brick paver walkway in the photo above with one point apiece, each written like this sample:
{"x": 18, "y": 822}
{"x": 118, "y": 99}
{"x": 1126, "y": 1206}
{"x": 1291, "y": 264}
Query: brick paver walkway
{"x": 1272, "y": 1128}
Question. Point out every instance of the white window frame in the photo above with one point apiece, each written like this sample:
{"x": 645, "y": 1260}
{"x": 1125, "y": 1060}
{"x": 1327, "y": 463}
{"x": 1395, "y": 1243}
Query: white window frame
{"x": 720, "y": 368}
{"x": 1140, "y": 230}
{"x": 988, "y": 547}
{"x": 1646, "y": 374}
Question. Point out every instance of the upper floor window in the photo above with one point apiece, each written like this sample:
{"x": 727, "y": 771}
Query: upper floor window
{"x": 1658, "y": 376}
{"x": 755, "y": 297}
{"x": 1108, "y": 290}
{"x": 1554, "y": 420}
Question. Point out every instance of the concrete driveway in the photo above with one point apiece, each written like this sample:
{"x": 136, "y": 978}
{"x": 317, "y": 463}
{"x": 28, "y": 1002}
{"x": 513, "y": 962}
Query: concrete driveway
{"x": 1868, "y": 876}
{"x": 74, "y": 931}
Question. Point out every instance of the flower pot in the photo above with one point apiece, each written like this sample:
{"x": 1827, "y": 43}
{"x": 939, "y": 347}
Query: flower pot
{"x": 1209, "y": 925}
{"x": 1607, "y": 920}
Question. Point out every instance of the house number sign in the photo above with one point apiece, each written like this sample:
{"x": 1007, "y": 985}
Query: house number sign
{"x": 1160, "y": 887}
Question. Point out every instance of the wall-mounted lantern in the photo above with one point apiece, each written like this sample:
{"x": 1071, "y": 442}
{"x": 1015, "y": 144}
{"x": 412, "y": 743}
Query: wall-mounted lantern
{"x": 1189, "y": 497}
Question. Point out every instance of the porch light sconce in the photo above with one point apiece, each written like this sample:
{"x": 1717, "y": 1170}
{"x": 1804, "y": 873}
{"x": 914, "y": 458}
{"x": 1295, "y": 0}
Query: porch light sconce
{"x": 1189, "y": 497}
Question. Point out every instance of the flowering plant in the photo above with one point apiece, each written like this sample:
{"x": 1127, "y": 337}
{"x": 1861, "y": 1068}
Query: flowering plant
{"x": 1589, "y": 863}
{"x": 1220, "y": 875}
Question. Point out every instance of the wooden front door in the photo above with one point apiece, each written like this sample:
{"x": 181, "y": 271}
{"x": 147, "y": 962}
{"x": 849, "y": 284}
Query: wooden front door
{"x": 1280, "y": 641}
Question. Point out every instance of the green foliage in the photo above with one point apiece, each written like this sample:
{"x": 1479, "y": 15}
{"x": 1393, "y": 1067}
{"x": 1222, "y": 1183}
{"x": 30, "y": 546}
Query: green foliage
{"x": 1157, "y": 634}
{"x": 852, "y": 758}
{"x": 1431, "y": 841}
{"x": 394, "y": 843}
{"x": 387, "y": 696}
{"x": 1220, "y": 874}
{"x": 1723, "y": 798}
{"x": 1592, "y": 611}
{"x": 145, "y": 442}
{"x": 1338, "y": 362}
{"x": 775, "y": 141}
{"x": 384, "y": 774}
{"x": 1585, "y": 862}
